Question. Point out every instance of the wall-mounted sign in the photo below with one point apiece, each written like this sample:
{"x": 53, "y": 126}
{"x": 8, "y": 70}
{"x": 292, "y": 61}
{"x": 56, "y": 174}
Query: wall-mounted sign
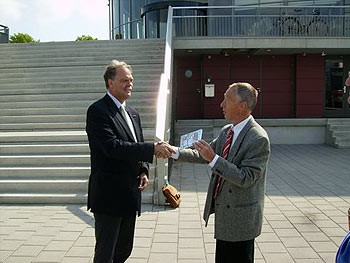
{"x": 209, "y": 90}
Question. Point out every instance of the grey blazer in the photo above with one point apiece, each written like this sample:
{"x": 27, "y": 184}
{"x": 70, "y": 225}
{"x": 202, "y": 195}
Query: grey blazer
{"x": 239, "y": 205}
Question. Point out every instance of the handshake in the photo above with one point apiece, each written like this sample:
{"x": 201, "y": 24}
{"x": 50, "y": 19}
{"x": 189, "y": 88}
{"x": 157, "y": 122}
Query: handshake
{"x": 163, "y": 150}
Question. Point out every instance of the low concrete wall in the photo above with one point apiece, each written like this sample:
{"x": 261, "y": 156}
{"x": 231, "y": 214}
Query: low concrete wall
{"x": 289, "y": 131}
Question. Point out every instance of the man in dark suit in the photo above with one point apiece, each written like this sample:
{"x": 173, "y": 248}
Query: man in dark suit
{"x": 238, "y": 158}
{"x": 119, "y": 165}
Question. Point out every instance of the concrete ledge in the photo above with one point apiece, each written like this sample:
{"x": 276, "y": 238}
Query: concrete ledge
{"x": 295, "y": 131}
{"x": 289, "y": 131}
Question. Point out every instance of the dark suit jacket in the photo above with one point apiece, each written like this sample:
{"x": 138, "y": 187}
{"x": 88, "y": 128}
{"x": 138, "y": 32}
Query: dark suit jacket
{"x": 116, "y": 160}
{"x": 239, "y": 205}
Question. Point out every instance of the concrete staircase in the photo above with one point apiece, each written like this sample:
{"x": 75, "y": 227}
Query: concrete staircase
{"x": 338, "y": 132}
{"x": 45, "y": 89}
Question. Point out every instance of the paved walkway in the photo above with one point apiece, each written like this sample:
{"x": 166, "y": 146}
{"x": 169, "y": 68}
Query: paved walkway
{"x": 308, "y": 194}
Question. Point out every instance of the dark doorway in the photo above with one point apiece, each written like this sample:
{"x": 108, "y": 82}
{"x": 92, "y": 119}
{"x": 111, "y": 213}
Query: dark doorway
{"x": 337, "y": 94}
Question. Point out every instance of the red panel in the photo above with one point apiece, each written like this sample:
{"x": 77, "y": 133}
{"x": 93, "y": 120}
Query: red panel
{"x": 242, "y": 74}
{"x": 310, "y": 60}
{"x": 281, "y": 85}
{"x": 187, "y": 97}
{"x": 310, "y": 72}
{"x": 276, "y": 61}
{"x": 277, "y": 73}
{"x": 271, "y": 74}
{"x": 310, "y": 98}
{"x": 310, "y": 86}
{"x": 212, "y": 111}
{"x": 308, "y": 111}
{"x": 307, "y": 85}
{"x": 216, "y": 72}
{"x": 277, "y": 98}
{"x": 217, "y": 60}
{"x": 276, "y": 111}
{"x": 245, "y": 61}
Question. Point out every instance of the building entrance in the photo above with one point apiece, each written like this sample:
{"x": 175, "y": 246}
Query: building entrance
{"x": 337, "y": 96}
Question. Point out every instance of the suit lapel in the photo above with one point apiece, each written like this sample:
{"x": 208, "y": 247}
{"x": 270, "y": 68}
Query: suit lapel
{"x": 235, "y": 147}
{"x": 118, "y": 117}
{"x": 135, "y": 123}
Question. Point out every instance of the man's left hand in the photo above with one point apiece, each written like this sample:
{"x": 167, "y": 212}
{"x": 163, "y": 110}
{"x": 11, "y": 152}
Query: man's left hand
{"x": 204, "y": 150}
{"x": 143, "y": 181}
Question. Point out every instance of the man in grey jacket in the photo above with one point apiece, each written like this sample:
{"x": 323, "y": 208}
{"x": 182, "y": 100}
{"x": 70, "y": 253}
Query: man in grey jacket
{"x": 238, "y": 158}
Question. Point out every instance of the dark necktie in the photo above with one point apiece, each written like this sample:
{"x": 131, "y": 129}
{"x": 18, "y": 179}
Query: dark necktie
{"x": 224, "y": 155}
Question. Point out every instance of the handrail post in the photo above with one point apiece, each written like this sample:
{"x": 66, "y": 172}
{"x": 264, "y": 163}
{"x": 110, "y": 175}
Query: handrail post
{"x": 5, "y": 35}
{"x": 163, "y": 112}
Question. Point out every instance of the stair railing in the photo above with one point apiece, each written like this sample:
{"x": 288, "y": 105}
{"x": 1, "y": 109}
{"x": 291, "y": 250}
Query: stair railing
{"x": 163, "y": 122}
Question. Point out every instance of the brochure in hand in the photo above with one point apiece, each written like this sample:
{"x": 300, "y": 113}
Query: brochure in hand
{"x": 188, "y": 139}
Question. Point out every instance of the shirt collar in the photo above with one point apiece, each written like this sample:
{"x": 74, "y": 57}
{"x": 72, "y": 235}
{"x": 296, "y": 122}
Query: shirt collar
{"x": 115, "y": 100}
{"x": 239, "y": 127}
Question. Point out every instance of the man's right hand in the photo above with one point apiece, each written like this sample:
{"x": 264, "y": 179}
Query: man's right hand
{"x": 163, "y": 150}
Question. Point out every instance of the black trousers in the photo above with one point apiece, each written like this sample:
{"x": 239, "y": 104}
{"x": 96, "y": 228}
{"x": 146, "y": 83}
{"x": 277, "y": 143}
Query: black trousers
{"x": 234, "y": 252}
{"x": 114, "y": 238}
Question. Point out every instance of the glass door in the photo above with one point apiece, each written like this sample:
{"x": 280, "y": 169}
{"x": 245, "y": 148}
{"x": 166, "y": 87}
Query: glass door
{"x": 337, "y": 97}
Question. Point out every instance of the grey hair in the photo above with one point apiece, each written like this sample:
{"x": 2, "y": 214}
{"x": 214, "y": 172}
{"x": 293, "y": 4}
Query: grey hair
{"x": 246, "y": 93}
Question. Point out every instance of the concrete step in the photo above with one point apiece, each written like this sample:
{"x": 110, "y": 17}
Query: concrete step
{"x": 74, "y": 47}
{"x": 45, "y": 160}
{"x": 342, "y": 142}
{"x": 11, "y": 149}
{"x": 44, "y": 172}
{"x": 141, "y": 104}
{"x": 46, "y": 118}
{"x": 50, "y": 198}
{"x": 82, "y": 58}
{"x": 43, "y": 136}
{"x": 139, "y": 71}
{"x": 85, "y": 61}
{"x": 142, "y": 108}
{"x": 42, "y": 118}
{"x": 139, "y": 95}
{"x": 338, "y": 121}
{"x": 340, "y": 127}
{"x": 40, "y": 111}
{"x": 42, "y": 126}
{"x": 77, "y": 51}
{"x": 68, "y": 84}
{"x": 338, "y": 132}
{"x": 44, "y": 186}
{"x": 341, "y": 133}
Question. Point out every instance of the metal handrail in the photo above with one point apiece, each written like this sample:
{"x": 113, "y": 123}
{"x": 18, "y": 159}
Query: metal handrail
{"x": 287, "y": 21}
{"x": 129, "y": 24}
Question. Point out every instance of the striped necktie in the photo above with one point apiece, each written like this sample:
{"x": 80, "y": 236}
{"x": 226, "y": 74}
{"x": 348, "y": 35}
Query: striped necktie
{"x": 224, "y": 155}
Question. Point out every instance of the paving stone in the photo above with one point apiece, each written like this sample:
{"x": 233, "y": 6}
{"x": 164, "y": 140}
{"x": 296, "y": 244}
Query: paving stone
{"x": 49, "y": 256}
{"x": 28, "y": 251}
{"x": 304, "y": 221}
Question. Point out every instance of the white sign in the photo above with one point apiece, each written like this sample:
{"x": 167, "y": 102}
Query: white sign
{"x": 209, "y": 90}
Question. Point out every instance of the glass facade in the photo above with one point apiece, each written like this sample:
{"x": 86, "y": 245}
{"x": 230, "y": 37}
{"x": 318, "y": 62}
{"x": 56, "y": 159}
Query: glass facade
{"x": 147, "y": 18}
